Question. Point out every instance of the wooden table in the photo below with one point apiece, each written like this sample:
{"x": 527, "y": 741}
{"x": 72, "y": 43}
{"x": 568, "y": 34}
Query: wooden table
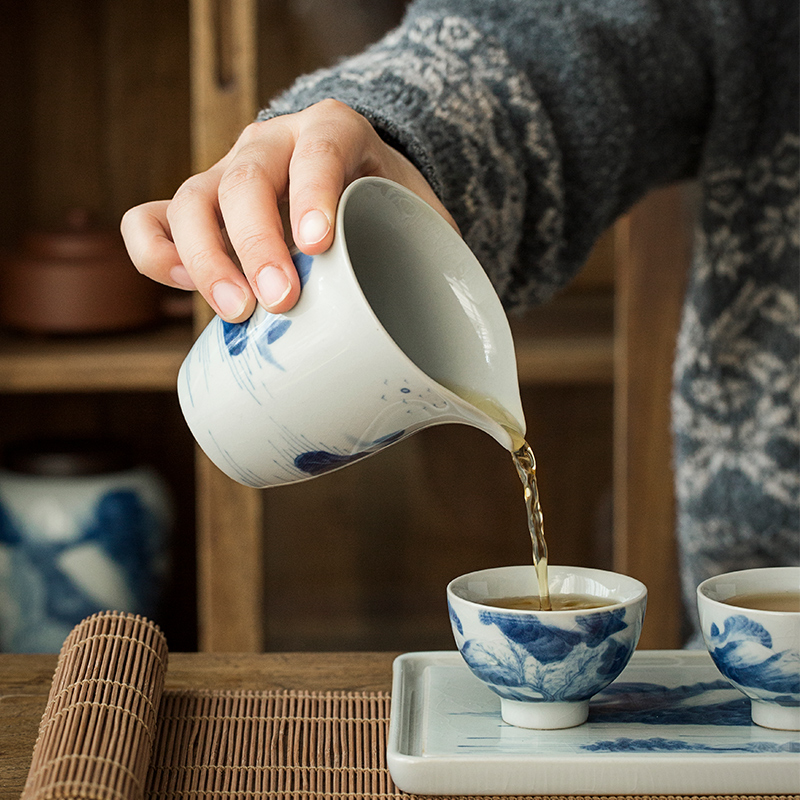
{"x": 25, "y": 683}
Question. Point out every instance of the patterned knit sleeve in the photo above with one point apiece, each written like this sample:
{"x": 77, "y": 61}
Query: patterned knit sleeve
{"x": 537, "y": 122}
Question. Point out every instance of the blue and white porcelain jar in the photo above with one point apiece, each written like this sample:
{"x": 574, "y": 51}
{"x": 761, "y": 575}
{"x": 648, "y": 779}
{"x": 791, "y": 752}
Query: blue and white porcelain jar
{"x": 83, "y": 528}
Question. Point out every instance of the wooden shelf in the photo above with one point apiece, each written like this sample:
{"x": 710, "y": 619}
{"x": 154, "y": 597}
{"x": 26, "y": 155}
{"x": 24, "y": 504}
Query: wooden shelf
{"x": 567, "y": 341}
{"x": 143, "y": 361}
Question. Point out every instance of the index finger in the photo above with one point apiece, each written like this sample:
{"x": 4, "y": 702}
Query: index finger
{"x": 253, "y": 183}
{"x": 196, "y": 228}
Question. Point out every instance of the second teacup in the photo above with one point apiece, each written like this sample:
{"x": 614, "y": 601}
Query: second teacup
{"x": 756, "y": 649}
{"x": 546, "y": 665}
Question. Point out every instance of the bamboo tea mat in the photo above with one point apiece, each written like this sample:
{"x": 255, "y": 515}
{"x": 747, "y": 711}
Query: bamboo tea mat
{"x": 110, "y": 731}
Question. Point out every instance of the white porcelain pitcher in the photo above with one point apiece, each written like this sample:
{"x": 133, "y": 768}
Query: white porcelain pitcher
{"x": 397, "y": 323}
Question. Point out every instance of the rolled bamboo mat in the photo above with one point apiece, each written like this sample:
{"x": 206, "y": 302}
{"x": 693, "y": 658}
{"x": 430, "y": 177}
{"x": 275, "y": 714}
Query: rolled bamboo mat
{"x": 110, "y": 731}
{"x": 97, "y": 731}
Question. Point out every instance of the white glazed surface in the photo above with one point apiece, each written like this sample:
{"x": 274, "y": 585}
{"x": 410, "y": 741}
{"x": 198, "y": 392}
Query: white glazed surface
{"x": 669, "y": 725}
{"x": 282, "y": 398}
{"x": 545, "y": 665}
{"x": 757, "y": 651}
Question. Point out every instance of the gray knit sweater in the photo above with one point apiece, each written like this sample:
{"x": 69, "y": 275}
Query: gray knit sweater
{"x": 538, "y": 122}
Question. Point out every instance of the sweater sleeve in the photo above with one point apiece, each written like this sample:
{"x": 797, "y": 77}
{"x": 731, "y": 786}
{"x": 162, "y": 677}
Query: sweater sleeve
{"x": 537, "y": 123}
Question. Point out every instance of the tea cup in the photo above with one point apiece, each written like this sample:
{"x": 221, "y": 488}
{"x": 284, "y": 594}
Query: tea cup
{"x": 546, "y": 665}
{"x": 397, "y": 328}
{"x": 756, "y": 650}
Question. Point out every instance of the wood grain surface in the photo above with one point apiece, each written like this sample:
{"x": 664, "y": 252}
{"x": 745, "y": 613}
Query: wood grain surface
{"x": 25, "y": 683}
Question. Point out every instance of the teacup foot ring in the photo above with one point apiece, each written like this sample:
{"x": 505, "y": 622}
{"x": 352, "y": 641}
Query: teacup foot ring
{"x": 543, "y": 715}
{"x": 772, "y": 715}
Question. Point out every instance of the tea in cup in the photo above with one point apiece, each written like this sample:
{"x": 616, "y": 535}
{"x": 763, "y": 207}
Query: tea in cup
{"x": 546, "y": 665}
{"x": 750, "y": 621}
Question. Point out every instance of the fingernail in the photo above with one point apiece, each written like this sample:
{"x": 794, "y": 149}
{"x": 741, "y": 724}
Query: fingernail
{"x": 273, "y": 286}
{"x": 229, "y": 299}
{"x": 180, "y": 276}
{"x": 314, "y": 227}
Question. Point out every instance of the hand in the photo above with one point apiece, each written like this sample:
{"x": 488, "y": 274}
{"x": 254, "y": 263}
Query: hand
{"x": 306, "y": 159}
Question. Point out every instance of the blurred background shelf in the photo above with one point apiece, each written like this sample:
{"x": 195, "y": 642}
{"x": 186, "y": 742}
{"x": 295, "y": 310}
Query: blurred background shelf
{"x": 568, "y": 341}
{"x": 112, "y": 103}
{"x": 141, "y": 361}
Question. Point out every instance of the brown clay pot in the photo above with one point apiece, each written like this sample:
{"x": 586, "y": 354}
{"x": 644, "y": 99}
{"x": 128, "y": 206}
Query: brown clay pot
{"x": 75, "y": 280}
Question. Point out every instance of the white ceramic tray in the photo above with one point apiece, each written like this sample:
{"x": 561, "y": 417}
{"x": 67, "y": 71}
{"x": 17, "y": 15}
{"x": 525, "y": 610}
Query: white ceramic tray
{"x": 670, "y": 724}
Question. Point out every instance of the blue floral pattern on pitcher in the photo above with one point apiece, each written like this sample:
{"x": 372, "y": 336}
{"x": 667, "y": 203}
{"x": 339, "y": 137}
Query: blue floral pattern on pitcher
{"x": 237, "y": 335}
{"x": 318, "y": 462}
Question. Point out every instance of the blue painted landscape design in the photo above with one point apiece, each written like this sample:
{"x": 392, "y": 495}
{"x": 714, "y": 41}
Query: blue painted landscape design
{"x": 657, "y": 705}
{"x": 743, "y": 652}
{"x": 643, "y": 703}
{"x": 537, "y": 661}
{"x": 683, "y": 719}
{"x": 238, "y": 335}
{"x": 659, "y": 744}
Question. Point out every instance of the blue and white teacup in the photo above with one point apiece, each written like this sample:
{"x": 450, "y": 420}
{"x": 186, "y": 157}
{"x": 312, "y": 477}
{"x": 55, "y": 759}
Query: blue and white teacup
{"x": 757, "y": 650}
{"x": 546, "y": 665}
{"x": 397, "y": 328}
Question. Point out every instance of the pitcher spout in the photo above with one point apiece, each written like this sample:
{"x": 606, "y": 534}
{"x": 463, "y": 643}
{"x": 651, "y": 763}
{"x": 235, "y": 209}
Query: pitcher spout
{"x": 505, "y": 425}
{"x": 503, "y": 436}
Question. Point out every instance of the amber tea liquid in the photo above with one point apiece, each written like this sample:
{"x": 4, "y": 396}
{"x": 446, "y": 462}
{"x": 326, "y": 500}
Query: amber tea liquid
{"x": 525, "y": 463}
{"x": 767, "y": 601}
{"x": 558, "y": 602}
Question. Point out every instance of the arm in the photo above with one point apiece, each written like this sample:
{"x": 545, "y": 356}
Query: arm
{"x": 537, "y": 123}
{"x": 533, "y": 123}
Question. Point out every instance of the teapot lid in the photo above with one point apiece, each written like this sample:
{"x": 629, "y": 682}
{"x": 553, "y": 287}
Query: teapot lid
{"x": 78, "y": 238}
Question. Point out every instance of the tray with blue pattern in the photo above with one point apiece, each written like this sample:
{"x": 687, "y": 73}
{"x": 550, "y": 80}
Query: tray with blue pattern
{"x": 670, "y": 724}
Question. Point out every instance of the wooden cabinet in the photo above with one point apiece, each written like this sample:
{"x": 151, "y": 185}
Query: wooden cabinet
{"x": 95, "y": 106}
{"x": 111, "y": 103}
